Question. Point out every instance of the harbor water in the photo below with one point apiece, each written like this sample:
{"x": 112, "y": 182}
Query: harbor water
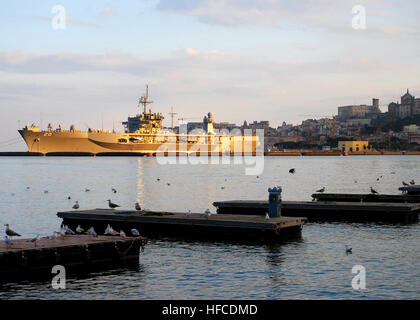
{"x": 34, "y": 189}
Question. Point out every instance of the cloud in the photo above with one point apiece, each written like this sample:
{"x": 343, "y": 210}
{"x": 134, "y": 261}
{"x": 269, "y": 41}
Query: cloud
{"x": 107, "y": 11}
{"x": 327, "y": 15}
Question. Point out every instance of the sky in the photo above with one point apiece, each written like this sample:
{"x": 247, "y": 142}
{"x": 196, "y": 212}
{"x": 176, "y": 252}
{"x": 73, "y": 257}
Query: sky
{"x": 275, "y": 60}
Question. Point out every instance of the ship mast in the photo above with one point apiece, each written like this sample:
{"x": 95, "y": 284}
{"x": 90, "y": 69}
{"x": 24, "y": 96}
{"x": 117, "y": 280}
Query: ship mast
{"x": 144, "y": 100}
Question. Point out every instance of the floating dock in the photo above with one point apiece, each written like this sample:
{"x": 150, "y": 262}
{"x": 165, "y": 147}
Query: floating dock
{"x": 172, "y": 224}
{"x": 327, "y": 211}
{"x": 77, "y": 253}
{"x": 382, "y": 198}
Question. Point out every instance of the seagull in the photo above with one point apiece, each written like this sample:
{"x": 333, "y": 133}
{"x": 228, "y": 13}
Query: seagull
{"x": 158, "y": 179}
{"x": 168, "y": 184}
{"x": 45, "y": 191}
{"x": 348, "y": 250}
{"x": 135, "y": 232}
{"x": 92, "y": 232}
{"x": 10, "y": 232}
{"x": 68, "y": 197}
{"x": 188, "y": 213}
{"x": 87, "y": 190}
{"x": 138, "y": 208}
{"x": 293, "y": 170}
{"x": 35, "y": 240}
{"x": 62, "y": 231}
{"x": 373, "y": 191}
{"x": 114, "y": 190}
{"x": 79, "y": 229}
{"x": 27, "y": 188}
{"x": 112, "y": 205}
{"x": 54, "y": 235}
{"x": 76, "y": 205}
{"x": 321, "y": 190}
{"x": 258, "y": 177}
{"x": 405, "y": 184}
{"x": 122, "y": 234}
{"x": 267, "y": 216}
{"x": 207, "y": 214}
{"x": 68, "y": 230}
{"x": 8, "y": 241}
{"x": 222, "y": 188}
{"x": 412, "y": 182}
{"x": 108, "y": 230}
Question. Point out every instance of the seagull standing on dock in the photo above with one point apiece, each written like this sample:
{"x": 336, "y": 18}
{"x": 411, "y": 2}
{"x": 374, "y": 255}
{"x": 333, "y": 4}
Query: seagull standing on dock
{"x": 207, "y": 214}
{"x": 321, "y": 190}
{"x": 108, "y": 230}
{"x": 188, "y": 213}
{"x": 122, "y": 234}
{"x": 373, "y": 191}
{"x": 8, "y": 241}
{"x": 112, "y": 205}
{"x": 138, "y": 208}
{"x": 10, "y": 232}
{"x": 92, "y": 232}
{"x": 68, "y": 230}
{"x": 267, "y": 216}
{"x": 76, "y": 205}
{"x": 135, "y": 232}
{"x": 79, "y": 229}
{"x": 35, "y": 240}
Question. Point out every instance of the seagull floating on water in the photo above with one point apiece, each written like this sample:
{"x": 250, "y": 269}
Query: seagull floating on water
{"x": 293, "y": 170}
{"x": 112, "y": 205}
{"x": 321, "y": 190}
{"x": 87, "y": 190}
{"x": 114, "y": 190}
{"x": 10, "y": 232}
{"x": 138, "y": 208}
{"x": 45, "y": 191}
{"x": 135, "y": 232}
{"x": 76, "y": 205}
{"x": 348, "y": 250}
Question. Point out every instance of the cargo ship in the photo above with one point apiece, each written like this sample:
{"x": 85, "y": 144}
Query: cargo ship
{"x": 144, "y": 134}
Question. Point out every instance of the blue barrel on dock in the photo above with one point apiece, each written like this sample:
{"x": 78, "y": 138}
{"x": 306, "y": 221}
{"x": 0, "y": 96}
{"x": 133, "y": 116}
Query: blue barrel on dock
{"x": 274, "y": 202}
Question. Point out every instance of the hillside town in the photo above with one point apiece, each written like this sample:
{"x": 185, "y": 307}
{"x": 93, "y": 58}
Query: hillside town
{"x": 396, "y": 129}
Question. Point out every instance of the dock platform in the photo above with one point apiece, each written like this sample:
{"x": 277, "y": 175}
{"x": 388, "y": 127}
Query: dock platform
{"x": 171, "y": 224}
{"x": 327, "y": 211}
{"x": 381, "y": 198}
{"x": 77, "y": 253}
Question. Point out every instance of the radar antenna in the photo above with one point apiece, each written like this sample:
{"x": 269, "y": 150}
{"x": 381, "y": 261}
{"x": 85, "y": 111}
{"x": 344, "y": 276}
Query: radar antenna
{"x": 144, "y": 100}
